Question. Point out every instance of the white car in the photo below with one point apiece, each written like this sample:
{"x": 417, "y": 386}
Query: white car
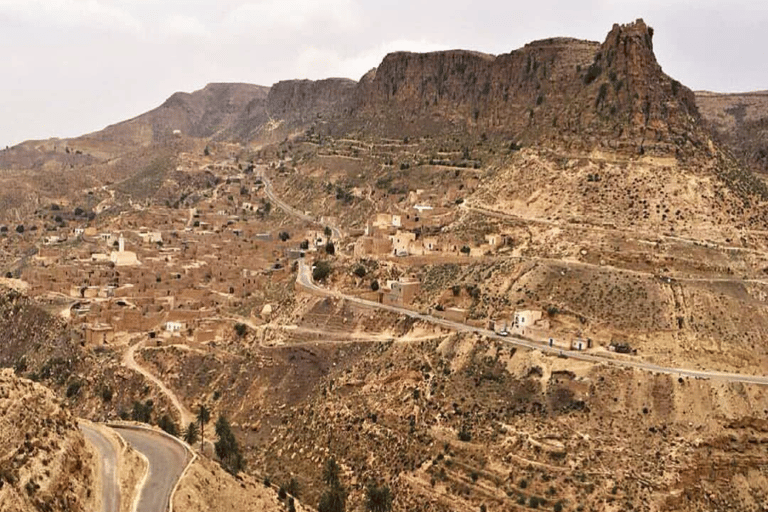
{"x": 503, "y": 332}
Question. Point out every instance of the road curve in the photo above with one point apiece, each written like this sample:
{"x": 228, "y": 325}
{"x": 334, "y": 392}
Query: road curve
{"x": 167, "y": 460}
{"x": 110, "y": 490}
{"x": 304, "y": 279}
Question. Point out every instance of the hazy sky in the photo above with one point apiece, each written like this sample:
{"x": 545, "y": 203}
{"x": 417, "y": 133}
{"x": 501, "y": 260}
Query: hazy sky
{"x": 74, "y": 66}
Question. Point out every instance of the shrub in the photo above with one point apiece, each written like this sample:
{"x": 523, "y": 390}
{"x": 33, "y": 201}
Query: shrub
{"x": 592, "y": 73}
{"x": 465, "y": 249}
{"x": 465, "y": 435}
{"x": 330, "y": 248}
{"x": 375, "y": 285}
{"x": 281, "y": 493}
{"x": 167, "y": 424}
{"x": 523, "y": 483}
{"x": 240, "y": 329}
{"x": 73, "y": 388}
{"x": 142, "y": 412}
{"x": 321, "y": 271}
{"x": 558, "y": 506}
{"x": 106, "y": 394}
{"x": 284, "y": 236}
{"x": 360, "y": 271}
{"x": 292, "y": 487}
{"x": 378, "y": 499}
{"x": 20, "y": 228}
{"x": 304, "y": 245}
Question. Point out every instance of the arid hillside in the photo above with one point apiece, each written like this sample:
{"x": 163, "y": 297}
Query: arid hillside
{"x": 45, "y": 464}
{"x": 741, "y": 122}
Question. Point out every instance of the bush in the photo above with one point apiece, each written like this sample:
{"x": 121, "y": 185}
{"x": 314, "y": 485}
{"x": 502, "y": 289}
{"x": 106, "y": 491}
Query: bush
{"x": 281, "y": 494}
{"x": 378, "y": 499}
{"x": 465, "y": 249}
{"x": 359, "y": 271}
{"x": 73, "y": 388}
{"x": 375, "y": 285}
{"x": 465, "y": 435}
{"x": 304, "y": 245}
{"x": 523, "y": 483}
{"x": 267, "y": 482}
{"x": 558, "y": 506}
{"x": 284, "y": 236}
{"x": 20, "y": 228}
{"x": 593, "y": 72}
{"x": 142, "y": 412}
{"x": 293, "y": 488}
{"x": 240, "y": 329}
{"x": 167, "y": 424}
{"x": 330, "y": 248}
{"x": 106, "y": 394}
{"x": 321, "y": 271}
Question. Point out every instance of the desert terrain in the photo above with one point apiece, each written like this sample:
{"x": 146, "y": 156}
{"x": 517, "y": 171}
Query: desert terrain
{"x": 494, "y": 282}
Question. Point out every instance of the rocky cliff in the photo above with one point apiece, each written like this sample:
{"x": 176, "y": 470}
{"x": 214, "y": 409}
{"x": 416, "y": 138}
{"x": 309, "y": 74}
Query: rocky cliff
{"x": 564, "y": 90}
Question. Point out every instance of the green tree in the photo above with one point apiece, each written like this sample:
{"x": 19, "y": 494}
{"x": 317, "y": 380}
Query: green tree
{"x": 321, "y": 271}
{"x": 330, "y": 248}
{"x": 331, "y": 472}
{"x": 166, "y": 423}
{"x": 293, "y": 488}
{"x": 190, "y": 435}
{"x": 334, "y": 499}
{"x": 227, "y": 448}
{"x": 203, "y": 417}
{"x": 378, "y": 499}
{"x": 240, "y": 329}
{"x": 327, "y": 231}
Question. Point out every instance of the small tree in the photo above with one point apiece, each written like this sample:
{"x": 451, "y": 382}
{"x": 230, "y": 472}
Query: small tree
{"x": 167, "y": 424}
{"x": 330, "y": 248}
{"x": 328, "y": 231}
{"x": 227, "y": 448}
{"x": 190, "y": 435}
{"x": 378, "y": 499}
{"x": 284, "y": 236}
{"x": 20, "y": 228}
{"x": 293, "y": 488}
{"x": 304, "y": 245}
{"x": 359, "y": 271}
{"x": 203, "y": 417}
{"x": 240, "y": 329}
{"x": 375, "y": 285}
{"x": 321, "y": 271}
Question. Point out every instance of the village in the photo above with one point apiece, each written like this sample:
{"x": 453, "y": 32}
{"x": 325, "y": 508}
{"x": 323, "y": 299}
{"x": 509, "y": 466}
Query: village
{"x": 186, "y": 275}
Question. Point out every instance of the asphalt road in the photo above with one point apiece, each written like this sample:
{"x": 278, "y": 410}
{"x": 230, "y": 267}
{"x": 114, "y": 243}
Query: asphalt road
{"x": 110, "y": 491}
{"x": 167, "y": 459}
{"x": 304, "y": 278}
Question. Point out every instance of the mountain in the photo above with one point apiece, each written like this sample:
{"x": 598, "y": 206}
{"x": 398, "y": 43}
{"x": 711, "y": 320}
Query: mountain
{"x": 740, "y": 121}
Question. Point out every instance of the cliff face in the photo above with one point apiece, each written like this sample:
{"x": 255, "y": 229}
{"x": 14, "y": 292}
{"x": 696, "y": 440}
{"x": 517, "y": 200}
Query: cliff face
{"x": 302, "y": 101}
{"x": 566, "y": 90}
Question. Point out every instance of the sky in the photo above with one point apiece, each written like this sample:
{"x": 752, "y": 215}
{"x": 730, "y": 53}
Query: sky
{"x": 71, "y": 67}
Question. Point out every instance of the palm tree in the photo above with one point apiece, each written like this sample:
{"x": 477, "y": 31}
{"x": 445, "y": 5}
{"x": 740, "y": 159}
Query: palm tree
{"x": 378, "y": 499}
{"x": 203, "y": 417}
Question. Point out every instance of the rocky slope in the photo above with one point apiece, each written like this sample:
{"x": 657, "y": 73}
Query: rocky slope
{"x": 741, "y": 122}
{"x": 45, "y": 464}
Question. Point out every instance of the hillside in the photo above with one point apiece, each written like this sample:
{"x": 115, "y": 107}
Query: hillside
{"x": 741, "y": 121}
{"x": 45, "y": 463}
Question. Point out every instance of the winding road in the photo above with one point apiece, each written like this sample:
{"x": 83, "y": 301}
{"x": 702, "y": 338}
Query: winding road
{"x": 304, "y": 279}
{"x": 107, "y": 470}
{"x": 167, "y": 460}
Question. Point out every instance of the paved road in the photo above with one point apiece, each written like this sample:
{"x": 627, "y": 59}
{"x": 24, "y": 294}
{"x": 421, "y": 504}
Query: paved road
{"x": 110, "y": 490}
{"x": 304, "y": 278}
{"x": 167, "y": 459}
